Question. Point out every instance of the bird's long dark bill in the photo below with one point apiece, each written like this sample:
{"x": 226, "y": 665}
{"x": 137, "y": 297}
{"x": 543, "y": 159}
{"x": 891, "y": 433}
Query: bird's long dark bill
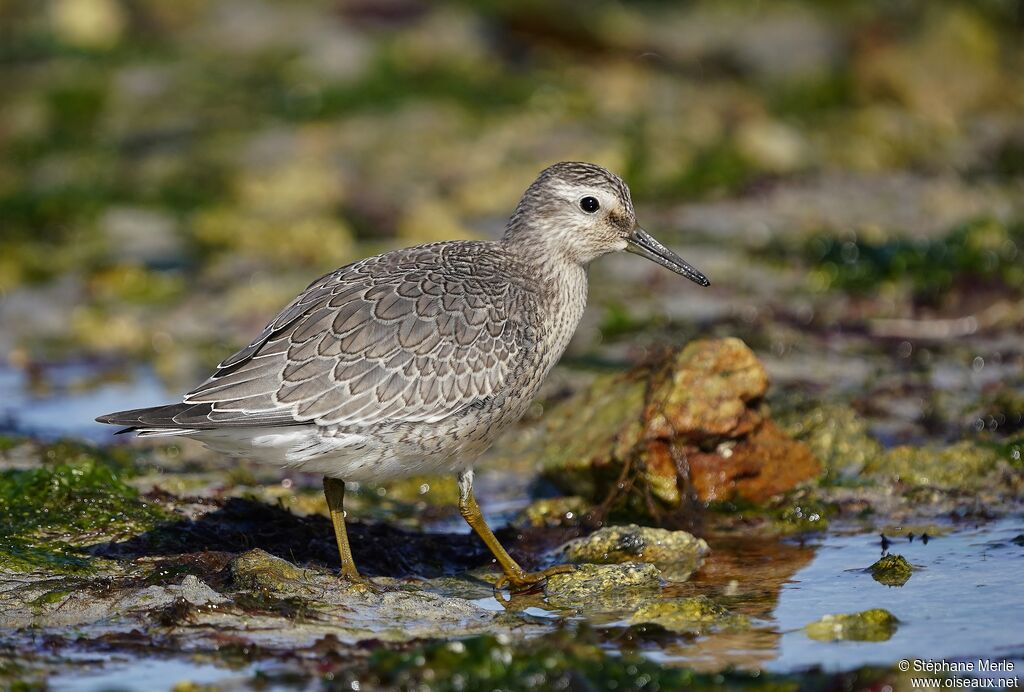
{"x": 644, "y": 244}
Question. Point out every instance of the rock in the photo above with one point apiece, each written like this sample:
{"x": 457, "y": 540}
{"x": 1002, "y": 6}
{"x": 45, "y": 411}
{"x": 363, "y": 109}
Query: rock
{"x": 258, "y": 569}
{"x": 604, "y": 587}
{"x": 192, "y": 590}
{"x": 676, "y": 553}
{"x": 694, "y": 420}
{"x": 836, "y": 435}
{"x": 553, "y": 512}
{"x": 197, "y": 592}
{"x": 891, "y": 570}
{"x": 706, "y": 391}
{"x": 766, "y": 463}
{"x": 694, "y": 614}
{"x": 839, "y": 437}
{"x": 964, "y": 465}
{"x": 875, "y": 625}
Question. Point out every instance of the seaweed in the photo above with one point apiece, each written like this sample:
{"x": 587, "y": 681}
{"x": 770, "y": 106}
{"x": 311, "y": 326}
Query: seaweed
{"x": 78, "y": 496}
{"x": 980, "y": 251}
{"x": 569, "y": 658}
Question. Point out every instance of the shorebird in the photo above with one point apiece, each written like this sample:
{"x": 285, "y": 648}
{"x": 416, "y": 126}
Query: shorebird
{"x": 415, "y": 360}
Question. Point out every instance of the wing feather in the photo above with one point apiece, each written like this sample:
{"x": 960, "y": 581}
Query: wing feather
{"x": 410, "y": 336}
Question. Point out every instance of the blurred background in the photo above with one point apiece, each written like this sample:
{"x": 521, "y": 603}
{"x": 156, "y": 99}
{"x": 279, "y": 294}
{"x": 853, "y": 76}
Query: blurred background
{"x": 849, "y": 174}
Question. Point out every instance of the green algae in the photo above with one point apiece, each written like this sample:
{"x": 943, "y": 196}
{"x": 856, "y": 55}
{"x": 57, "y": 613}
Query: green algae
{"x": 78, "y": 497}
{"x": 50, "y": 598}
{"x": 677, "y": 554}
{"x": 1004, "y": 411}
{"x": 981, "y": 250}
{"x": 839, "y": 437}
{"x": 595, "y": 423}
{"x": 718, "y": 168}
{"x": 801, "y": 513}
{"x": 604, "y": 587}
{"x": 836, "y": 434}
{"x": 572, "y": 659}
{"x": 695, "y": 614}
{"x": 891, "y": 570}
{"x": 875, "y": 625}
{"x": 964, "y": 465}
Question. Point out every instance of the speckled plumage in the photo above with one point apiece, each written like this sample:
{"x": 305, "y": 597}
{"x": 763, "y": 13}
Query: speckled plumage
{"x": 415, "y": 360}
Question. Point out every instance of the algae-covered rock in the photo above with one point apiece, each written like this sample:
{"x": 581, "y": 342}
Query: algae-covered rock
{"x": 1004, "y": 411}
{"x": 891, "y": 570}
{"x": 258, "y": 569}
{"x": 875, "y": 625}
{"x": 765, "y": 463}
{"x": 692, "y": 422}
{"x": 839, "y": 437}
{"x": 801, "y": 512}
{"x": 589, "y": 437}
{"x": 694, "y": 614}
{"x": 604, "y": 587}
{"x": 836, "y": 435}
{"x": 707, "y": 390}
{"x": 552, "y": 512}
{"x": 964, "y": 465}
{"x": 676, "y": 553}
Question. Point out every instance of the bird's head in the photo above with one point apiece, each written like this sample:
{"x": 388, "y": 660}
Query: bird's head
{"x": 582, "y": 211}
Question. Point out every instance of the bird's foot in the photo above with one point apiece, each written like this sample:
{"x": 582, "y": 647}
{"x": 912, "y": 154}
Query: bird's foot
{"x": 522, "y": 581}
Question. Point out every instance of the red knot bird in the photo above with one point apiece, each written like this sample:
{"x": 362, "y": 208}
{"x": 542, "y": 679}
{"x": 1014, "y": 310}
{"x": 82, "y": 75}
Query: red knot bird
{"x": 415, "y": 360}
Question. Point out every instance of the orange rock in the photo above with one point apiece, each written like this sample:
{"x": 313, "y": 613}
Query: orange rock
{"x": 695, "y": 422}
{"x": 755, "y": 468}
{"x": 706, "y": 390}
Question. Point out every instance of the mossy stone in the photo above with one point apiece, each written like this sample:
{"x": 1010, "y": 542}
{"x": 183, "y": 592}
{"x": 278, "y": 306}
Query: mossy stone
{"x": 694, "y": 614}
{"x": 258, "y": 569}
{"x": 875, "y": 625}
{"x": 676, "y": 553}
{"x": 891, "y": 570}
{"x": 604, "y": 587}
{"x": 964, "y": 465}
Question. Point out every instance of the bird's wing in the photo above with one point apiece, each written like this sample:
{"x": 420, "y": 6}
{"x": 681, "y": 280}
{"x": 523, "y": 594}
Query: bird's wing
{"x": 410, "y": 336}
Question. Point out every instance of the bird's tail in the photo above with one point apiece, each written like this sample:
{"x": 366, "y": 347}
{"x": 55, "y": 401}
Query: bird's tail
{"x": 153, "y": 421}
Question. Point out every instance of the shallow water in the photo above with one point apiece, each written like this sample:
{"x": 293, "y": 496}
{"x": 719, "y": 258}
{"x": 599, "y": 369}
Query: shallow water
{"x": 963, "y": 602}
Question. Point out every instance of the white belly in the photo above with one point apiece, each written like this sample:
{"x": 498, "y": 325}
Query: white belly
{"x": 349, "y": 457}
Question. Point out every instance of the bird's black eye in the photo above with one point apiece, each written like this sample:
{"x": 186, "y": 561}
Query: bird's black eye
{"x": 590, "y": 204}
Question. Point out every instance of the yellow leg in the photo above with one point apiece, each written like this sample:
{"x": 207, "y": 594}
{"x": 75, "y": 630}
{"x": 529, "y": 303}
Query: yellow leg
{"x": 334, "y": 491}
{"x": 515, "y": 576}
